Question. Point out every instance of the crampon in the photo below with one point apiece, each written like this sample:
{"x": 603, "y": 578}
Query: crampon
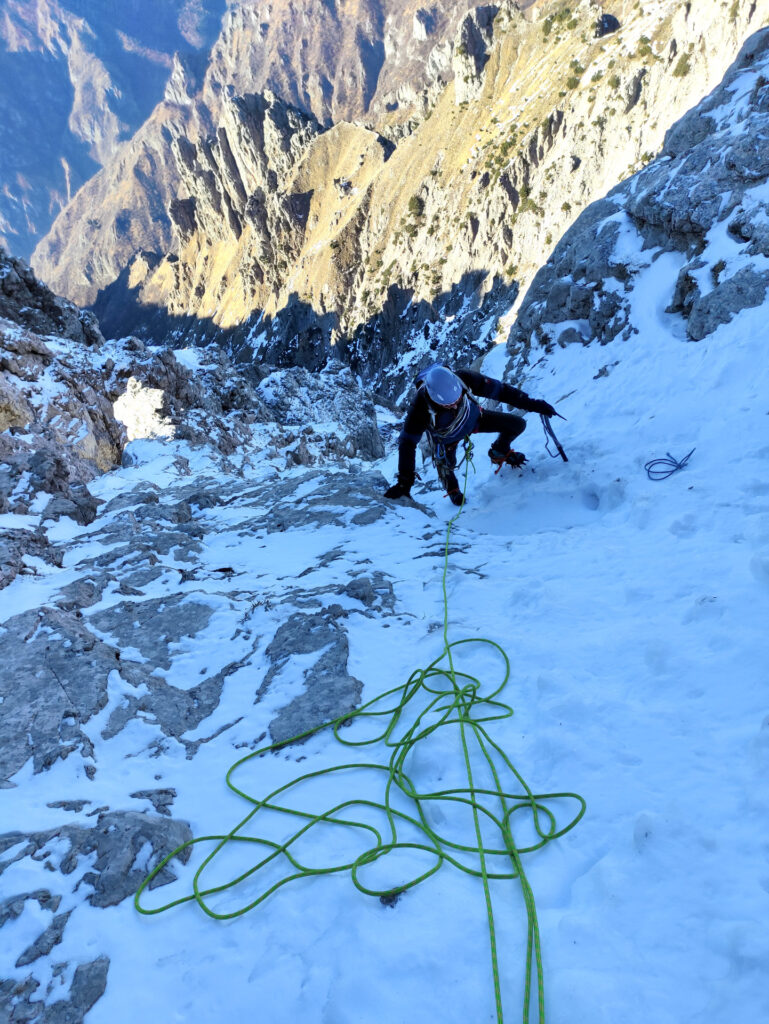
{"x": 512, "y": 458}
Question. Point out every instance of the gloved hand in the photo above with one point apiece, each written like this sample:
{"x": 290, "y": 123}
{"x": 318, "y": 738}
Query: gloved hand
{"x": 398, "y": 490}
{"x": 542, "y": 407}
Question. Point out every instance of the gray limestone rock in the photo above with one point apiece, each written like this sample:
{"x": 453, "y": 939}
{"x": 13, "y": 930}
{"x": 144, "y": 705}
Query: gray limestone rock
{"x": 745, "y": 290}
{"x": 52, "y": 681}
{"x": 711, "y": 160}
{"x": 79, "y": 505}
{"x": 151, "y": 626}
{"x": 298, "y": 398}
{"x": 161, "y": 799}
{"x": 57, "y": 427}
{"x": 15, "y": 410}
{"x": 330, "y": 691}
{"x": 112, "y": 852}
{"x": 113, "y": 857}
{"x": 57, "y": 672}
{"x": 45, "y": 942}
{"x": 13, "y": 907}
{"x": 565, "y": 288}
{"x": 19, "y": 548}
{"x": 76, "y": 806}
{"x": 81, "y": 594}
{"x": 472, "y": 45}
{"x": 374, "y": 592}
{"x": 338, "y": 499}
{"x": 26, "y": 301}
{"x": 88, "y": 986}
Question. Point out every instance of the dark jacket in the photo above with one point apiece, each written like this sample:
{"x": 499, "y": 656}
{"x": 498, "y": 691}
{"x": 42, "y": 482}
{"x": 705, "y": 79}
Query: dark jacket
{"x": 423, "y": 416}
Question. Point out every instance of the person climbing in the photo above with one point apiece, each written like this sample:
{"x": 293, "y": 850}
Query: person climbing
{"x": 443, "y": 407}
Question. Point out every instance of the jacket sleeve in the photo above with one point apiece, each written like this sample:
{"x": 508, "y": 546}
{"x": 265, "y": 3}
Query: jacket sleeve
{"x": 414, "y": 426}
{"x": 497, "y": 390}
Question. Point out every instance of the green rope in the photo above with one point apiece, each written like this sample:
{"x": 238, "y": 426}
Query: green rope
{"x": 437, "y": 697}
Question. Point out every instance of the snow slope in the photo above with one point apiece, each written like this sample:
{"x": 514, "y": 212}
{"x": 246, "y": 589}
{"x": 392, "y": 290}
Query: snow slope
{"x": 635, "y": 615}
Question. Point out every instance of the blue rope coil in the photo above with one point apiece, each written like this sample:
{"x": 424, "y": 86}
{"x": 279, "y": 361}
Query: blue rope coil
{"x": 661, "y": 469}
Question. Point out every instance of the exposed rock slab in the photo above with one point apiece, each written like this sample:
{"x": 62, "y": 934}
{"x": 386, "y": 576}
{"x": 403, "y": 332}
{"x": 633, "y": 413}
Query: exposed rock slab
{"x": 116, "y": 840}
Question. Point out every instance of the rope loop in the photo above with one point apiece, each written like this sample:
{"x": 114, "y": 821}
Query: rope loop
{"x": 433, "y": 699}
{"x": 661, "y": 469}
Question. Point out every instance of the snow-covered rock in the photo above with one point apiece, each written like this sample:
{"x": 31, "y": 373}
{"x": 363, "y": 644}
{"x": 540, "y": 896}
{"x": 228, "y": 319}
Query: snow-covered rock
{"x": 707, "y": 196}
{"x": 69, "y": 402}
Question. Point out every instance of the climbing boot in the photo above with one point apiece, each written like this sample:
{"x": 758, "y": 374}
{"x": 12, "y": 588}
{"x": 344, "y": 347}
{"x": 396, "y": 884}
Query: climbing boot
{"x": 448, "y": 478}
{"x": 450, "y": 481}
{"x": 511, "y": 458}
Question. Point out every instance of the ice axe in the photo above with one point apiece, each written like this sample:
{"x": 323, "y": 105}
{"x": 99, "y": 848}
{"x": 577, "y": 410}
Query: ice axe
{"x": 550, "y": 436}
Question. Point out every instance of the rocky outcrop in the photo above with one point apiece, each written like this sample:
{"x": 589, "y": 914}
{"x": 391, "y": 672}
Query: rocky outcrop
{"x": 705, "y": 197}
{"x": 69, "y": 402}
{"x": 115, "y": 842}
{"x": 89, "y": 982}
{"x": 471, "y": 52}
{"x": 58, "y": 426}
{"x": 29, "y": 303}
{"x": 327, "y": 409}
{"x": 109, "y": 859}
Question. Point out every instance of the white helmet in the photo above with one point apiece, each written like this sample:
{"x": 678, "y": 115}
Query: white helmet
{"x": 443, "y": 386}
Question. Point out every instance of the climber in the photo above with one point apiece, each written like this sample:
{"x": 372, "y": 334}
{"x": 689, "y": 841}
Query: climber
{"x": 445, "y": 409}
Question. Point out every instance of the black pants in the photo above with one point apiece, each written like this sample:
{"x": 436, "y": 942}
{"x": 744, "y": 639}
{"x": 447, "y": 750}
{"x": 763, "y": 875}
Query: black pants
{"x": 508, "y": 425}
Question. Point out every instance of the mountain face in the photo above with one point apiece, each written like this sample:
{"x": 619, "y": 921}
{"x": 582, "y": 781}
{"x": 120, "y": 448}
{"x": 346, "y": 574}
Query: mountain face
{"x": 708, "y": 184}
{"x": 328, "y": 62}
{"x": 248, "y": 217}
{"x": 77, "y": 78}
{"x": 337, "y": 61}
{"x": 80, "y": 77}
{"x": 197, "y": 566}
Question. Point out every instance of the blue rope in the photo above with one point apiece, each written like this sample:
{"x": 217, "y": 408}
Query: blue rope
{"x": 661, "y": 469}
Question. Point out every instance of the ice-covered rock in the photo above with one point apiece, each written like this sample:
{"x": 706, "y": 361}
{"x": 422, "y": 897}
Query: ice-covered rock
{"x": 331, "y": 406}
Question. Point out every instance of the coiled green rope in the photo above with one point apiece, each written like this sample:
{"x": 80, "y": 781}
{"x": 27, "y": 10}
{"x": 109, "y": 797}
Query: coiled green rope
{"x": 437, "y": 697}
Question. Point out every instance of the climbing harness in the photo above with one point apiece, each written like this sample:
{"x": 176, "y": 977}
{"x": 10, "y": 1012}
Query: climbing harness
{"x": 661, "y": 469}
{"x": 550, "y": 436}
{"x": 437, "y": 697}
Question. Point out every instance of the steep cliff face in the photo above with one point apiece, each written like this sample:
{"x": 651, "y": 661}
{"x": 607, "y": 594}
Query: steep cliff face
{"x": 380, "y": 59}
{"x": 77, "y": 77}
{"x": 328, "y": 238}
{"x": 706, "y": 199}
